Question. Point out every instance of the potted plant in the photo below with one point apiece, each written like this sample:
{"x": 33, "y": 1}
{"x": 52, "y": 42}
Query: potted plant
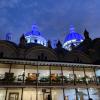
{"x": 9, "y": 77}
{"x": 44, "y": 79}
{"x": 31, "y": 77}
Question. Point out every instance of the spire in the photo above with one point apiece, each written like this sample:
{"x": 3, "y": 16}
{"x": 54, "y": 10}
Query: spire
{"x": 59, "y": 45}
{"x": 86, "y": 34}
{"x": 8, "y": 36}
{"x": 22, "y": 41}
{"x": 49, "y": 44}
{"x": 34, "y": 27}
{"x": 72, "y": 29}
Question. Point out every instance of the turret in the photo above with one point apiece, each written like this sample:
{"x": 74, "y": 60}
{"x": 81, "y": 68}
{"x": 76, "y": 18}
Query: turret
{"x": 59, "y": 45}
{"x": 22, "y": 41}
{"x": 86, "y": 34}
{"x": 49, "y": 44}
{"x": 8, "y": 36}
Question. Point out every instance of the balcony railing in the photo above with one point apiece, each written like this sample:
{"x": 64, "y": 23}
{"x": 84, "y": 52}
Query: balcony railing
{"x": 45, "y": 83}
{"x": 35, "y": 80}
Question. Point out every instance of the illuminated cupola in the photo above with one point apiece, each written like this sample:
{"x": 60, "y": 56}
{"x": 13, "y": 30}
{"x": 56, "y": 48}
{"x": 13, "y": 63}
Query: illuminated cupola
{"x": 35, "y": 36}
{"x": 72, "y": 39}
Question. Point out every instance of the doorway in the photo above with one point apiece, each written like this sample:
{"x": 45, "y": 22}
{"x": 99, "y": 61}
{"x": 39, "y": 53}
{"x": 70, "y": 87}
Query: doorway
{"x": 46, "y": 95}
{"x": 13, "y": 96}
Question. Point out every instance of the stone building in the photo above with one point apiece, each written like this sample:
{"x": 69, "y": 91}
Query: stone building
{"x": 32, "y": 71}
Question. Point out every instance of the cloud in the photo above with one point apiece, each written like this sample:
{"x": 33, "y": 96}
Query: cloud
{"x": 52, "y": 16}
{"x": 8, "y": 3}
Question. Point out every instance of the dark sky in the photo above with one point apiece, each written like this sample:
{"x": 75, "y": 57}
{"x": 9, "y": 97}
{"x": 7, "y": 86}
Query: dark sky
{"x": 53, "y": 17}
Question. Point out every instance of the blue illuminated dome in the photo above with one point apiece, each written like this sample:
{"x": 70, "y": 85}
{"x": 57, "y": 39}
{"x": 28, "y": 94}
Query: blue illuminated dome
{"x": 34, "y": 31}
{"x": 35, "y": 36}
{"x": 72, "y": 39}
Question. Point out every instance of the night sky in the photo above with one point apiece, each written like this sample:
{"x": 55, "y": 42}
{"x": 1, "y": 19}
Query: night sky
{"x": 53, "y": 17}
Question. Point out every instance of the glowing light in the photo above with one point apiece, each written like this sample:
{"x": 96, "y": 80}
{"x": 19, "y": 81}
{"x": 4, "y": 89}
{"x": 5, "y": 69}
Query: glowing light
{"x": 72, "y": 38}
{"x": 34, "y": 36}
{"x": 54, "y": 93}
{"x": 90, "y": 76}
{"x": 67, "y": 75}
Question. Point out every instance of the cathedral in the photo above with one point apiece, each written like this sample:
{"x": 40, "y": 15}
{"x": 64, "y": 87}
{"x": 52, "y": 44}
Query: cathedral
{"x": 34, "y": 70}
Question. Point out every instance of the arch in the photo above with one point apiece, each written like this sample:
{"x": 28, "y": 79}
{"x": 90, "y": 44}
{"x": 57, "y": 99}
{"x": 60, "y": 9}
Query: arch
{"x": 78, "y": 57}
{"x": 8, "y": 49}
{"x": 37, "y": 51}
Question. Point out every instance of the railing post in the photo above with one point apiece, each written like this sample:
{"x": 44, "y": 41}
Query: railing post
{"x": 10, "y": 68}
{"x": 50, "y": 74}
{"x": 62, "y": 77}
{"x": 50, "y": 94}
{"x": 84, "y": 75}
{"x": 64, "y": 93}
{"x": 74, "y": 75}
{"x": 22, "y": 94}
{"x": 37, "y": 81}
{"x": 76, "y": 91}
{"x": 36, "y": 93}
{"x": 37, "y": 74}
{"x": 95, "y": 76}
{"x": 88, "y": 93}
{"x": 24, "y": 73}
{"x": 6, "y": 94}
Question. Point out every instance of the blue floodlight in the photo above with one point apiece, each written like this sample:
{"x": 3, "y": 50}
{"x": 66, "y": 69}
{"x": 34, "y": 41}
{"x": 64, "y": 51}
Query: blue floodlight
{"x": 34, "y": 36}
{"x": 72, "y": 38}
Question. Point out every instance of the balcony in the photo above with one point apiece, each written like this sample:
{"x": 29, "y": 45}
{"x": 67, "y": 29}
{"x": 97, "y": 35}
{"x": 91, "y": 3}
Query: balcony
{"x": 9, "y": 80}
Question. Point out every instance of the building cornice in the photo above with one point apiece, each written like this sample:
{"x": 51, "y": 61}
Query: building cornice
{"x": 45, "y": 63}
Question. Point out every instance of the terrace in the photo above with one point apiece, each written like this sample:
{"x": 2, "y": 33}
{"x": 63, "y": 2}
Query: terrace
{"x": 36, "y": 73}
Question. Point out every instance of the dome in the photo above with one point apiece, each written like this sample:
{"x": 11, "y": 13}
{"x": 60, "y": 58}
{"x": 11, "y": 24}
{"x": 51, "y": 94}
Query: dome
{"x": 8, "y": 36}
{"x": 34, "y": 36}
{"x": 73, "y": 38}
{"x": 34, "y": 31}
